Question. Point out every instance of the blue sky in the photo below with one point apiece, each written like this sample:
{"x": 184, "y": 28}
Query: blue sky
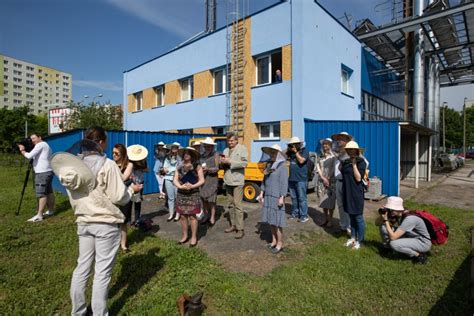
{"x": 96, "y": 40}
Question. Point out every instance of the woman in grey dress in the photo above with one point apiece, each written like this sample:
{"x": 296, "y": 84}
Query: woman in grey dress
{"x": 326, "y": 182}
{"x": 210, "y": 167}
{"x": 274, "y": 189}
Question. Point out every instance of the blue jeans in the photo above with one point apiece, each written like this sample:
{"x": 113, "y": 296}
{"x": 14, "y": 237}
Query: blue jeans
{"x": 299, "y": 200}
{"x": 357, "y": 227}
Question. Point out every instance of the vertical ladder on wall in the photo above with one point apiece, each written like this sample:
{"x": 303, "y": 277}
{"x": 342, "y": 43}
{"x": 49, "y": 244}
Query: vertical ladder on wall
{"x": 236, "y": 63}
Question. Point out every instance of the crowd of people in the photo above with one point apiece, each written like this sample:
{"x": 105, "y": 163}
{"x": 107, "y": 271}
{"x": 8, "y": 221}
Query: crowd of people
{"x": 104, "y": 192}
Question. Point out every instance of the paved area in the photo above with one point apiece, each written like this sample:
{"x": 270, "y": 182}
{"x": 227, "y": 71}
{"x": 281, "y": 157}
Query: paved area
{"x": 250, "y": 255}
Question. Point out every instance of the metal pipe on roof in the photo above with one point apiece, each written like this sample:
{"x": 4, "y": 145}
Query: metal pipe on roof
{"x": 431, "y": 94}
{"x": 437, "y": 106}
{"x": 419, "y": 68}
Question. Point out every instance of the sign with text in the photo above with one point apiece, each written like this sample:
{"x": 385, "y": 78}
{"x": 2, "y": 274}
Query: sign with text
{"x": 56, "y": 119}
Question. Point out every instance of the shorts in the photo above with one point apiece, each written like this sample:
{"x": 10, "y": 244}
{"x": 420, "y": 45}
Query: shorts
{"x": 43, "y": 183}
{"x": 127, "y": 212}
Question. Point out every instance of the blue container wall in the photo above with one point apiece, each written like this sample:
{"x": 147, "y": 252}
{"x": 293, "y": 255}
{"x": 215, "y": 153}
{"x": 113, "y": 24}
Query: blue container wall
{"x": 380, "y": 139}
{"x": 62, "y": 142}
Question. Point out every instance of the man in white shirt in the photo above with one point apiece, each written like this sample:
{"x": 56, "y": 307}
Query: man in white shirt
{"x": 41, "y": 155}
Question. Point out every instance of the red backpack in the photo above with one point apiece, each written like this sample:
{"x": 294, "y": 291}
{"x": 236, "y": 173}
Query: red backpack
{"x": 438, "y": 229}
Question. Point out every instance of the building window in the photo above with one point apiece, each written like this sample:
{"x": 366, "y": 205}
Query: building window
{"x": 138, "y": 101}
{"x": 15, "y": 86}
{"x": 5, "y": 62}
{"x": 30, "y": 75}
{"x": 5, "y": 99}
{"x": 346, "y": 73}
{"x": 16, "y": 72}
{"x": 267, "y": 68}
{"x": 5, "y": 77}
{"x": 5, "y": 84}
{"x": 220, "y": 83}
{"x": 185, "y": 131}
{"x": 269, "y": 131}
{"x": 5, "y": 69}
{"x": 160, "y": 95}
{"x": 187, "y": 88}
{"x": 16, "y": 65}
{"x": 30, "y": 68}
{"x": 17, "y": 79}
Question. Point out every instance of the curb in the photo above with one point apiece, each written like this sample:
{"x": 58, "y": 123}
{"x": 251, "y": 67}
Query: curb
{"x": 431, "y": 185}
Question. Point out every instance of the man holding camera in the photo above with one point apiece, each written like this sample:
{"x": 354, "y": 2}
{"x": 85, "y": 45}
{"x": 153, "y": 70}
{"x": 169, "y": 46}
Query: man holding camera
{"x": 41, "y": 156}
{"x": 411, "y": 237}
{"x": 298, "y": 179}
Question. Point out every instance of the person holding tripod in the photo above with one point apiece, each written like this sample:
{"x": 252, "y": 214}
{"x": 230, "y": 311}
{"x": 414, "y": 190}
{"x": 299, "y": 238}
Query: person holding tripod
{"x": 41, "y": 156}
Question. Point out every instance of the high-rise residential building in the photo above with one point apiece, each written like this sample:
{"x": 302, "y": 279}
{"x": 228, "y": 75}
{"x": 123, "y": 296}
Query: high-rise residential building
{"x": 38, "y": 87}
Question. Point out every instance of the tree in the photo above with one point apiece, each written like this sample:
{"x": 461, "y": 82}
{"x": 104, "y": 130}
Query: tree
{"x": 12, "y": 126}
{"x": 95, "y": 114}
{"x": 455, "y": 127}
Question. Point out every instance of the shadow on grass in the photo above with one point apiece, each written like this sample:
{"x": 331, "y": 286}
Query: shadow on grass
{"x": 136, "y": 271}
{"x": 455, "y": 300}
{"x": 62, "y": 206}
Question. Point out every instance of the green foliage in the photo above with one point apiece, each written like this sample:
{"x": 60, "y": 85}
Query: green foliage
{"x": 454, "y": 127}
{"x": 95, "y": 114}
{"x": 12, "y": 126}
{"x": 325, "y": 278}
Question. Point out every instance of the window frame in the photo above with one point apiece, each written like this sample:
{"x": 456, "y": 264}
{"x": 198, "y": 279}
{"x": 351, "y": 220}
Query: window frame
{"x": 269, "y": 56}
{"x": 190, "y": 92}
{"x": 271, "y": 132}
{"x": 162, "y": 89}
{"x": 346, "y": 73}
{"x": 225, "y": 86}
{"x": 138, "y": 97}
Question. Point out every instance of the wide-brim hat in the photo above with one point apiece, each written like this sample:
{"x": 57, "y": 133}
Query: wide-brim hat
{"x": 353, "y": 145}
{"x": 322, "y": 141}
{"x": 294, "y": 140}
{"x": 191, "y": 151}
{"x": 72, "y": 172}
{"x": 342, "y": 136}
{"x": 160, "y": 144}
{"x": 272, "y": 149}
{"x": 208, "y": 141}
{"x": 394, "y": 203}
{"x": 136, "y": 152}
{"x": 196, "y": 143}
{"x": 175, "y": 144}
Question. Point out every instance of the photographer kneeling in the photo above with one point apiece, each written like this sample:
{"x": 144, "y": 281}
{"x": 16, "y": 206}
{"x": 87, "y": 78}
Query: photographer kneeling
{"x": 411, "y": 236}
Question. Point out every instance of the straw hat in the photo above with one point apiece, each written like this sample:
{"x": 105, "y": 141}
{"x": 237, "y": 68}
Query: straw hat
{"x": 191, "y": 151}
{"x": 160, "y": 144}
{"x": 208, "y": 141}
{"x": 352, "y": 145}
{"x": 322, "y": 141}
{"x": 394, "y": 203}
{"x": 136, "y": 152}
{"x": 175, "y": 144}
{"x": 196, "y": 143}
{"x": 294, "y": 140}
{"x": 272, "y": 149}
{"x": 72, "y": 172}
{"x": 342, "y": 136}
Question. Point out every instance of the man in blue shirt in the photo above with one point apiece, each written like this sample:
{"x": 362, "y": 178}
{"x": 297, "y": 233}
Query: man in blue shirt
{"x": 298, "y": 179}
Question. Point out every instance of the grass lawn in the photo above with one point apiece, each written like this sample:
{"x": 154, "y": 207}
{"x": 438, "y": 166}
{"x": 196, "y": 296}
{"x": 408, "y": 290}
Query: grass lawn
{"x": 37, "y": 260}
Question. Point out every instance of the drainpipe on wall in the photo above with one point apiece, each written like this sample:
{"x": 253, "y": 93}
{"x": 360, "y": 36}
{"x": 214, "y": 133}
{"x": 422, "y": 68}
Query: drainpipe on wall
{"x": 419, "y": 68}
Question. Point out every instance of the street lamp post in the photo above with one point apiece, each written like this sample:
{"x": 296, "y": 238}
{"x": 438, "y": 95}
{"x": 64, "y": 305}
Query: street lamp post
{"x": 97, "y": 96}
{"x": 444, "y": 127}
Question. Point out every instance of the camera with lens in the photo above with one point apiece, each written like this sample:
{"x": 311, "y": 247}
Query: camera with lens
{"x": 383, "y": 211}
{"x": 27, "y": 143}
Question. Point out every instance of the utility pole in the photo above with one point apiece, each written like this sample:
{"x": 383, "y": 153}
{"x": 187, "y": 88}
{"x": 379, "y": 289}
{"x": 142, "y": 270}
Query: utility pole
{"x": 26, "y": 128}
{"x": 464, "y": 127}
{"x": 444, "y": 127}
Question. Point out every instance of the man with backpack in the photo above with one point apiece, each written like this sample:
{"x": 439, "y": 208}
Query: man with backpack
{"x": 411, "y": 237}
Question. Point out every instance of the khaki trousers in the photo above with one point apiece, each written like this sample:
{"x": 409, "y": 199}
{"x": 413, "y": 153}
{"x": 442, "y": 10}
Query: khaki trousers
{"x": 235, "y": 194}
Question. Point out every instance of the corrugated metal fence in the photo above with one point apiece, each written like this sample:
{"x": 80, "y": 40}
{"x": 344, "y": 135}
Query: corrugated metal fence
{"x": 380, "y": 139}
{"x": 63, "y": 141}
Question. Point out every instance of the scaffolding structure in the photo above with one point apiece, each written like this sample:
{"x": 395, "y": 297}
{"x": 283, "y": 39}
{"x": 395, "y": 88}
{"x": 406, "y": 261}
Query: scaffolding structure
{"x": 236, "y": 30}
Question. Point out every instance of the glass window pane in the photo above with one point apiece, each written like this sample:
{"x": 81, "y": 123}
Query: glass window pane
{"x": 159, "y": 96}
{"x": 184, "y": 90}
{"x": 218, "y": 82}
{"x": 262, "y": 73}
{"x": 264, "y": 131}
{"x": 276, "y": 130}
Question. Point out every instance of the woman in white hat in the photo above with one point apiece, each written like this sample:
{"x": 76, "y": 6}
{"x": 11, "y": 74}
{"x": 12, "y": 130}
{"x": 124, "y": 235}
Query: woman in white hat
{"x": 138, "y": 154}
{"x": 210, "y": 167}
{"x": 273, "y": 191}
{"x": 160, "y": 155}
{"x": 352, "y": 170}
{"x": 169, "y": 168}
{"x": 188, "y": 178}
{"x": 96, "y": 189}
{"x": 325, "y": 187}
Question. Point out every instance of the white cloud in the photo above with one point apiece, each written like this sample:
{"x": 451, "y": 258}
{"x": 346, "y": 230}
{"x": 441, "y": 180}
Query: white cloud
{"x": 177, "y": 17}
{"x": 101, "y": 85}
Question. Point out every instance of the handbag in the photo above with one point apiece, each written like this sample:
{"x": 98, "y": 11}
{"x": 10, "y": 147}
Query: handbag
{"x": 190, "y": 305}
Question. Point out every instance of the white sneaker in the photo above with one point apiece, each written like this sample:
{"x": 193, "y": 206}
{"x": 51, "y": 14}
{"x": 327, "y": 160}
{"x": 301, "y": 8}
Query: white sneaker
{"x": 350, "y": 243}
{"x": 176, "y": 218}
{"x": 48, "y": 213}
{"x": 356, "y": 245}
{"x": 35, "y": 218}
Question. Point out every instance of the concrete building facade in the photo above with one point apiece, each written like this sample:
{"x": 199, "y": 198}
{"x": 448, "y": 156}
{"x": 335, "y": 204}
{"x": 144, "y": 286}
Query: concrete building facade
{"x": 186, "y": 89}
{"x": 27, "y": 84}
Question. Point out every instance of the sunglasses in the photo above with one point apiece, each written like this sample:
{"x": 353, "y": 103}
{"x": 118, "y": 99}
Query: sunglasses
{"x": 115, "y": 153}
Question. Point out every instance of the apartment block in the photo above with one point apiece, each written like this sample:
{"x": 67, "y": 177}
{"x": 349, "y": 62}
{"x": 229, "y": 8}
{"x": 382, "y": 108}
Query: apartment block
{"x": 26, "y": 84}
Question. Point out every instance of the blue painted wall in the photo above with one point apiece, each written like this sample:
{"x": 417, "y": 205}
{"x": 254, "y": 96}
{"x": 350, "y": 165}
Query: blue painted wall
{"x": 380, "y": 139}
{"x": 271, "y": 102}
{"x": 257, "y": 145}
{"x": 203, "y": 112}
{"x": 320, "y": 47}
{"x": 378, "y": 81}
{"x": 271, "y": 29}
{"x": 64, "y": 141}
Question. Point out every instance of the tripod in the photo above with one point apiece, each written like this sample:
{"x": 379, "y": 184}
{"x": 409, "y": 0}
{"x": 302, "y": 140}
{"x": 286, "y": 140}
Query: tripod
{"x": 25, "y": 183}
